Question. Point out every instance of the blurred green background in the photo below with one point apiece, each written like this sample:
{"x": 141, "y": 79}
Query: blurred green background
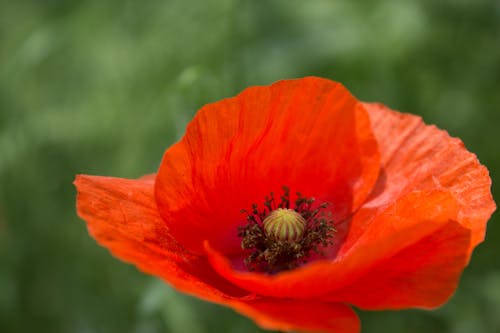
{"x": 104, "y": 87}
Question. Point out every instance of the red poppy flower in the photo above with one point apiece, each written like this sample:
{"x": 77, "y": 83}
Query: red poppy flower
{"x": 291, "y": 202}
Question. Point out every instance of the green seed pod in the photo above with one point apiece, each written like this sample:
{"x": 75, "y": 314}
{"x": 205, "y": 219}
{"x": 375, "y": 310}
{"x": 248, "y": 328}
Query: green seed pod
{"x": 284, "y": 225}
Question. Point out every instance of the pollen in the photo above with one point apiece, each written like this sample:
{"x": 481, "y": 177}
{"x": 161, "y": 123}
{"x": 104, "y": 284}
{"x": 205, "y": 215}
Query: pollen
{"x": 284, "y": 224}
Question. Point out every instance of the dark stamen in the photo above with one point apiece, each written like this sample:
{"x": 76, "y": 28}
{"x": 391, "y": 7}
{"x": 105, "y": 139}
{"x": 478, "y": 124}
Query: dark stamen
{"x": 274, "y": 249}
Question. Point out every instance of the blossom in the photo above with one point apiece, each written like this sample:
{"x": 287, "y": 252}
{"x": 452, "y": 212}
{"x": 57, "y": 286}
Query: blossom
{"x": 292, "y": 202}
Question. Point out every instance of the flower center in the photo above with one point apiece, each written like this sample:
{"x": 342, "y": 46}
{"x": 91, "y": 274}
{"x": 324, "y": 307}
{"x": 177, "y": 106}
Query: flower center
{"x": 284, "y": 224}
{"x": 279, "y": 238}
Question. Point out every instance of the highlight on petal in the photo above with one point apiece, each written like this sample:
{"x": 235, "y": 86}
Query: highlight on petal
{"x": 121, "y": 215}
{"x": 398, "y": 227}
{"x": 416, "y": 156}
{"x": 310, "y": 134}
{"x": 287, "y": 315}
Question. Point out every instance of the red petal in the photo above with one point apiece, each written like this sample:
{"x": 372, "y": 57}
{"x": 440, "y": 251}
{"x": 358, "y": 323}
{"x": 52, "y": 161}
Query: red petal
{"x": 121, "y": 215}
{"x": 423, "y": 275}
{"x": 399, "y": 226}
{"x": 420, "y": 157}
{"x": 310, "y": 134}
{"x": 300, "y": 316}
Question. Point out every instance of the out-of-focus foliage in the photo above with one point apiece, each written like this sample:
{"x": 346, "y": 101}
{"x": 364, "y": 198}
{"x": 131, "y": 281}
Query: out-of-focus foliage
{"x": 104, "y": 87}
